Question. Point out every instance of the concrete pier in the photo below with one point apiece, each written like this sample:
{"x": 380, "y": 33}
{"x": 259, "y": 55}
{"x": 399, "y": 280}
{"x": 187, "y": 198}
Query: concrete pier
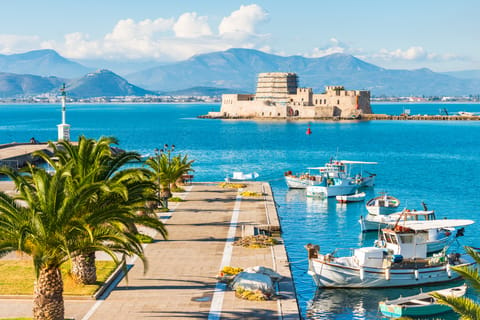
{"x": 180, "y": 282}
{"x": 16, "y": 155}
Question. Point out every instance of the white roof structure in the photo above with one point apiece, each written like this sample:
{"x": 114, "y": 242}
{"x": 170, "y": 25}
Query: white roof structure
{"x": 357, "y": 162}
{"x": 435, "y": 224}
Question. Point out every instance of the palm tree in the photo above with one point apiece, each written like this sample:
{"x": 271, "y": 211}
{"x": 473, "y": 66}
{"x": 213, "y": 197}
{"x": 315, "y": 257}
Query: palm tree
{"x": 92, "y": 161}
{"x": 467, "y": 308}
{"x": 166, "y": 171}
{"x": 43, "y": 221}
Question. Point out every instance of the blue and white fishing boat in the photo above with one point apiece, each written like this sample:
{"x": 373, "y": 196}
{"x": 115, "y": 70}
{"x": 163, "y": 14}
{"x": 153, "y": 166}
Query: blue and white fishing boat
{"x": 401, "y": 261}
{"x": 419, "y": 305}
{"x": 332, "y": 187}
{"x": 332, "y": 169}
{"x": 383, "y": 204}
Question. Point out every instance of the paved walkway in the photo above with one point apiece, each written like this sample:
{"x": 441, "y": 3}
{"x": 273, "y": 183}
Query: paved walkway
{"x": 180, "y": 280}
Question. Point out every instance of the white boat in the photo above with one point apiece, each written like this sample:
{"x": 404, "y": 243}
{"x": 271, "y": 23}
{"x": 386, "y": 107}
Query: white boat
{"x": 422, "y": 304}
{"x": 383, "y": 204}
{"x": 403, "y": 260}
{"x": 358, "y": 196}
{"x": 240, "y": 176}
{"x": 332, "y": 169}
{"x": 436, "y": 240}
{"x": 332, "y": 187}
{"x": 375, "y": 222}
{"x": 467, "y": 114}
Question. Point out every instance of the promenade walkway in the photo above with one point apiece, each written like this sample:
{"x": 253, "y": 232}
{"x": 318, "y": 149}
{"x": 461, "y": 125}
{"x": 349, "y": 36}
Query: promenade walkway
{"x": 180, "y": 281}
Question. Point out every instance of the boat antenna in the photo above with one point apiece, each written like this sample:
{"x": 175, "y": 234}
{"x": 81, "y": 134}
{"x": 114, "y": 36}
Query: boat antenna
{"x": 398, "y": 220}
{"x": 424, "y": 205}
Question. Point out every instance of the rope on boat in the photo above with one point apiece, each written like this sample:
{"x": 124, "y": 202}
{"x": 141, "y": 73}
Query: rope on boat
{"x": 298, "y": 261}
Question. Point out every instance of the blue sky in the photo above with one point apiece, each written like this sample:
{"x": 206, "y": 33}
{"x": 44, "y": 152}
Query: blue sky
{"x": 437, "y": 34}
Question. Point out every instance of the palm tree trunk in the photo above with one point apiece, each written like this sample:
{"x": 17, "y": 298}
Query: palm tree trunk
{"x": 165, "y": 193}
{"x": 48, "y": 295}
{"x": 84, "y": 270}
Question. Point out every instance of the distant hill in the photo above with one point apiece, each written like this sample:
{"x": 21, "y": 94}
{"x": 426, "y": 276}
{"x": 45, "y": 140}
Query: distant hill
{"x": 238, "y": 69}
{"x": 42, "y": 63}
{"x": 15, "y": 85}
{"x": 201, "y": 91}
{"x": 231, "y": 71}
{"x": 466, "y": 74}
{"x": 103, "y": 83}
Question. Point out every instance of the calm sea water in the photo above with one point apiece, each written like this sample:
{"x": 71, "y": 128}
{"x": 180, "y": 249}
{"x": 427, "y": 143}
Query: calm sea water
{"x": 432, "y": 161}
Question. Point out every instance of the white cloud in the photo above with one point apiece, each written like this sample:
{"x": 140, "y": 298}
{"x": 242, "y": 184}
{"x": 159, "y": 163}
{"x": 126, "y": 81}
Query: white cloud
{"x": 242, "y": 21}
{"x": 163, "y": 39}
{"x": 189, "y": 25}
{"x": 414, "y": 53}
{"x": 10, "y": 44}
{"x": 334, "y": 46}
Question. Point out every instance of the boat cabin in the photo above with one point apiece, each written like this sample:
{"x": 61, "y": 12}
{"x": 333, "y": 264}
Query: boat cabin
{"x": 409, "y": 238}
{"x": 405, "y": 242}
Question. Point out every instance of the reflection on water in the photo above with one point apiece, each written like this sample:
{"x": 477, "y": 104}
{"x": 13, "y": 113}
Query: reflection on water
{"x": 317, "y": 205}
{"x": 362, "y": 303}
{"x": 295, "y": 195}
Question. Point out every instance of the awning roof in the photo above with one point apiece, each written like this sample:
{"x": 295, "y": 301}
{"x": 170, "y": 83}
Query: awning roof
{"x": 357, "y": 162}
{"x": 435, "y": 224}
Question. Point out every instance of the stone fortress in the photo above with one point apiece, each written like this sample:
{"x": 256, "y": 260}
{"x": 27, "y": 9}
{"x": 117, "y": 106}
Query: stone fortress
{"x": 278, "y": 96}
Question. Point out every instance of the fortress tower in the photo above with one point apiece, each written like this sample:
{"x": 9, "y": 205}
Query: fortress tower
{"x": 276, "y": 86}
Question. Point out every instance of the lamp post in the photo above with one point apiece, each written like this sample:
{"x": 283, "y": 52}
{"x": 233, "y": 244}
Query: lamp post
{"x": 166, "y": 150}
{"x": 157, "y": 155}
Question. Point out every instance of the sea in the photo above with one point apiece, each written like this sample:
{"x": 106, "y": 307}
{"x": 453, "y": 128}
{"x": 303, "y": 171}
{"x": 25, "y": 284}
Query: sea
{"x": 435, "y": 162}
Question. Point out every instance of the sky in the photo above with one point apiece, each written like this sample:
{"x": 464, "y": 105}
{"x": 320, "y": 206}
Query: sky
{"x": 404, "y": 34}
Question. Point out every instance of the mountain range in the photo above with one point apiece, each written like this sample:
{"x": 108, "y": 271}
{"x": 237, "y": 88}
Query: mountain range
{"x": 233, "y": 70}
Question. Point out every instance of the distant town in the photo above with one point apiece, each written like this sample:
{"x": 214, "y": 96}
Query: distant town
{"x": 119, "y": 99}
{"x": 208, "y": 99}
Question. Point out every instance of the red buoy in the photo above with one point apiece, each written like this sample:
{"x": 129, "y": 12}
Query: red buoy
{"x": 309, "y": 131}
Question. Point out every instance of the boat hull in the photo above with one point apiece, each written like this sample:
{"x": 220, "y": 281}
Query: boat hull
{"x": 395, "y": 311}
{"x": 333, "y": 275}
{"x": 422, "y": 304}
{"x": 351, "y": 198}
{"x": 298, "y": 183}
{"x": 330, "y": 191}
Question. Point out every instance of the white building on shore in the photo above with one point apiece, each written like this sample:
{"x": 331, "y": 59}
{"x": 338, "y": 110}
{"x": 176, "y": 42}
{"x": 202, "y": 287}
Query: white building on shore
{"x": 278, "y": 96}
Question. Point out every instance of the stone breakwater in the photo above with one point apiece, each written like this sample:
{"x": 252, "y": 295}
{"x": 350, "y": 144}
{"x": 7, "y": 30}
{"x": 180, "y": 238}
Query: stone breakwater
{"x": 360, "y": 117}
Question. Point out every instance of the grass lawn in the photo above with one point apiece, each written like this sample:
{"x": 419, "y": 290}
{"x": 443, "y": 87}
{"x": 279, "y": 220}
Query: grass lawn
{"x": 17, "y": 278}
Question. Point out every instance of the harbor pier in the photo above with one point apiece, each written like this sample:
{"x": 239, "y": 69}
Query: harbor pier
{"x": 180, "y": 282}
{"x": 16, "y": 155}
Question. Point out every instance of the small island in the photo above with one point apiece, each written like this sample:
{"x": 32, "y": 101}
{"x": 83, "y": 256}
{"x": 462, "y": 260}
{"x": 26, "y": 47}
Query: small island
{"x": 279, "y": 97}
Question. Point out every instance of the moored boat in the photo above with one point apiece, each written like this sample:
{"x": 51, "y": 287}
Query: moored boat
{"x": 240, "y": 176}
{"x": 358, "y": 196}
{"x": 383, "y": 204}
{"x": 436, "y": 239}
{"x": 422, "y": 304}
{"x": 332, "y": 187}
{"x": 332, "y": 169}
{"x": 375, "y": 222}
{"x": 402, "y": 261}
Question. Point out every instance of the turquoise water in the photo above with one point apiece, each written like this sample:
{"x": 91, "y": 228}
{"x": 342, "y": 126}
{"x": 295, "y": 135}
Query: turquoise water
{"x": 432, "y": 161}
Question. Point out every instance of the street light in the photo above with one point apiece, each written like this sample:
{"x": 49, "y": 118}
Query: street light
{"x": 158, "y": 153}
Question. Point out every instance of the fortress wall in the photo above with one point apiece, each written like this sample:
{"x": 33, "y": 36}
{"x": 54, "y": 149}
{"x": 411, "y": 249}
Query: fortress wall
{"x": 278, "y": 96}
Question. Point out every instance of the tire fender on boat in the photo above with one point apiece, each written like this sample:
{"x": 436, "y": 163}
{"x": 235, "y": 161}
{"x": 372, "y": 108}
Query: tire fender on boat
{"x": 416, "y": 274}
